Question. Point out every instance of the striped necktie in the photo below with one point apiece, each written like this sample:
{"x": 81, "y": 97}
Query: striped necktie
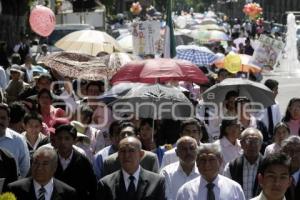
{"x": 42, "y": 192}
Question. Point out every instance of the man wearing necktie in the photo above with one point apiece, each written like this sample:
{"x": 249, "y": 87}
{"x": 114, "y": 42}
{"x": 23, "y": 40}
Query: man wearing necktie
{"x": 210, "y": 185}
{"x": 42, "y": 185}
{"x": 131, "y": 182}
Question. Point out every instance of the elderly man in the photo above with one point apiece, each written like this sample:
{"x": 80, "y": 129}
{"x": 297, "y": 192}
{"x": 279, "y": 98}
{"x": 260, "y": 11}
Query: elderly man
{"x": 111, "y": 164}
{"x": 244, "y": 169}
{"x": 178, "y": 173}
{"x": 42, "y": 185}
{"x": 274, "y": 177}
{"x": 13, "y": 142}
{"x": 210, "y": 185}
{"x": 291, "y": 146}
{"x": 189, "y": 127}
{"x": 131, "y": 181}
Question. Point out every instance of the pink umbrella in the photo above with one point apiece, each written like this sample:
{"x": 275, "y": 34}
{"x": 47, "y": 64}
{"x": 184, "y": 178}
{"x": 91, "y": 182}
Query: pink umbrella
{"x": 159, "y": 70}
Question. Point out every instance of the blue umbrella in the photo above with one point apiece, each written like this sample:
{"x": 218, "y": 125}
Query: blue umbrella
{"x": 201, "y": 56}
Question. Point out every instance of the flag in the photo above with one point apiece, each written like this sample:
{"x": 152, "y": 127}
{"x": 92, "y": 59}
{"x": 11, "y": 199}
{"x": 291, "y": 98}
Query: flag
{"x": 169, "y": 39}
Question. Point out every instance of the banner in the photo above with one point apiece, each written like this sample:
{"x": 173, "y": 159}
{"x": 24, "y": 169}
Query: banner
{"x": 146, "y": 38}
{"x": 266, "y": 54}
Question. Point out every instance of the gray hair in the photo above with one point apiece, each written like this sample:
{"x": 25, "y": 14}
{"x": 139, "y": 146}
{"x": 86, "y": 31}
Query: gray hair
{"x": 48, "y": 151}
{"x": 251, "y": 130}
{"x": 293, "y": 139}
{"x": 210, "y": 147}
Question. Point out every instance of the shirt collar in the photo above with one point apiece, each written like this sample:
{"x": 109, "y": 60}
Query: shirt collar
{"x": 67, "y": 159}
{"x": 203, "y": 182}
{"x": 136, "y": 174}
{"x": 226, "y": 142}
{"x": 194, "y": 171}
{"x": 48, "y": 187}
{"x": 263, "y": 197}
{"x": 8, "y": 133}
{"x": 296, "y": 176}
{"x": 246, "y": 162}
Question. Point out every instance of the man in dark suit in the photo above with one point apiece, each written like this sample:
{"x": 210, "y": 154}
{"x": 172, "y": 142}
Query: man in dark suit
{"x": 132, "y": 182}
{"x": 74, "y": 168}
{"x": 149, "y": 160}
{"x": 42, "y": 185}
{"x": 291, "y": 146}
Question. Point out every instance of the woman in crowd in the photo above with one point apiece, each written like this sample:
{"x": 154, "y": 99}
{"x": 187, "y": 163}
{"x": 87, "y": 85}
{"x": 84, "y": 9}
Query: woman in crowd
{"x": 292, "y": 116}
{"x": 147, "y": 135}
{"x": 281, "y": 132}
{"x": 46, "y": 109}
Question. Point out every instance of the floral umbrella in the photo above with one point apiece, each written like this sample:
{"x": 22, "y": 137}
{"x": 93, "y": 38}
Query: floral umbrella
{"x": 76, "y": 65}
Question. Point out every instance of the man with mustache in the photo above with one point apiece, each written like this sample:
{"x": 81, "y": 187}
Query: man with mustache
{"x": 178, "y": 173}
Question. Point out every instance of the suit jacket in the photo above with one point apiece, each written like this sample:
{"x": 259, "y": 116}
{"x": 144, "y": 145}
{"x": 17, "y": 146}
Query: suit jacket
{"x": 8, "y": 168}
{"x": 296, "y": 192}
{"x": 236, "y": 172}
{"x": 151, "y": 186}
{"x": 24, "y": 190}
{"x": 80, "y": 175}
{"x": 112, "y": 163}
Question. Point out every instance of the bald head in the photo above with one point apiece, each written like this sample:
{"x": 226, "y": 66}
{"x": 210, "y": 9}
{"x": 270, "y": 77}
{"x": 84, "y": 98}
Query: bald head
{"x": 131, "y": 140}
{"x": 130, "y": 154}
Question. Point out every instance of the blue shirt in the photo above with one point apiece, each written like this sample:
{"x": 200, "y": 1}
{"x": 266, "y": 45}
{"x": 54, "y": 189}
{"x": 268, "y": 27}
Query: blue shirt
{"x": 99, "y": 158}
{"x": 15, "y": 143}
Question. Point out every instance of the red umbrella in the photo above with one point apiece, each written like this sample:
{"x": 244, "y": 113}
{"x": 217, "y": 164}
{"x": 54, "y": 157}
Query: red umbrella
{"x": 159, "y": 70}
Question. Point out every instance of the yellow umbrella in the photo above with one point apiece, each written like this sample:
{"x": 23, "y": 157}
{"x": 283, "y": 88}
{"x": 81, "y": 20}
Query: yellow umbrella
{"x": 89, "y": 42}
{"x": 238, "y": 62}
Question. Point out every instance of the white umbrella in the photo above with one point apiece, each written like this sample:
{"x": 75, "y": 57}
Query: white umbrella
{"x": 126, "y": 42}
{"x": 89, "y": 42}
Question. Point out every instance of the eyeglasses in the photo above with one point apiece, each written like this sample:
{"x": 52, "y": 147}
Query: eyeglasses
{"x": 249, "y": 141}
{"x": 42, "y": 164}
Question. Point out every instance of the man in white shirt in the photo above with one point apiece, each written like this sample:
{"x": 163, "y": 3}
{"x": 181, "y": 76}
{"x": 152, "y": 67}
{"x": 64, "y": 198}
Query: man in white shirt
{"x": 244, "y": 168}
{"x": 274, "y": 177}
{"x": 178, "y": 173}
{"x": 44, "y": 185}
{"x": 210, "y": 185}
{"x": 189, "y": 127}
{"x": 271, "y": 115}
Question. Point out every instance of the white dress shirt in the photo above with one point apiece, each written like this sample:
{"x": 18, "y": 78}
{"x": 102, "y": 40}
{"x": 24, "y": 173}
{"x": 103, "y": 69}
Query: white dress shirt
{"x": 169, "y": 158}
{"x": 224, "y": 189}
{"x": 272, "y": 148}
{"x": 276, "y": 115}
{"x": 127, "y": 180}
{"x": 48, "y": 187}
{"x": 65, "y": 162}
{"x": 175, "y": 177}
{"x": 229, "y": 151}
{"x": 261, "y": 196}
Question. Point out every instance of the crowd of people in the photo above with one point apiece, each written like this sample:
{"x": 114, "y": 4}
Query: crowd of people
{"x": 59, "y": 141}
